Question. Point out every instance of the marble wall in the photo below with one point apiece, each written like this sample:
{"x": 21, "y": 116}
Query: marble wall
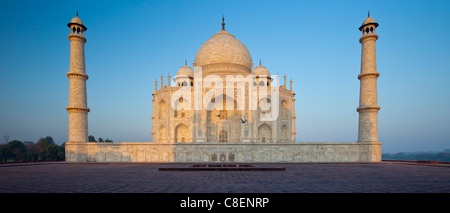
{"x": 207, "y": 152}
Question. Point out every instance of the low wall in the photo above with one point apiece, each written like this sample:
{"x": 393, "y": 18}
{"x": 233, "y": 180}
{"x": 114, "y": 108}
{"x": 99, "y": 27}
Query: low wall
{"x": 205, "y": 152}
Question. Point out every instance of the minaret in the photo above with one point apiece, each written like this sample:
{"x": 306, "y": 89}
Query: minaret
{"x": 78, "y": 110}
{"x": 368, "y": 107}
{"x": 154, "y": 111}
{"x": 292, "y": 112}
{"x": 168, "y": 80}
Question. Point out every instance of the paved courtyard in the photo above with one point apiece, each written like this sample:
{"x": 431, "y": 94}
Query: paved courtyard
{"x": 297, "y": 178}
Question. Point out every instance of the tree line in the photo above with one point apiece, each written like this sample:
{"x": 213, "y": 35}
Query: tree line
{"x": 43, "y": 150}
{"x": 443, "y": 156}
{"x": 91, "y": 138}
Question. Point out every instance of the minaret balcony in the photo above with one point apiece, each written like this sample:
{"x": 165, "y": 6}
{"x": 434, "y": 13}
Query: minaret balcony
{"x": 368, "y": 37}
{"x": 77, "y": 75}
{"x": 77, "y": 36}
{"x": 369, "y": 75}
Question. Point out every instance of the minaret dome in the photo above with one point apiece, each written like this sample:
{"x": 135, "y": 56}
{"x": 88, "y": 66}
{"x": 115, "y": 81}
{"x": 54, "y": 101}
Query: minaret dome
{"x": 368, "y": 26}
{"x": 76, "y": 25}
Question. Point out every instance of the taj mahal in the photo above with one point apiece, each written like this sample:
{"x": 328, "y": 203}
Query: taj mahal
{"x": 225, "y": 114}
{"x": 223, "y": 109}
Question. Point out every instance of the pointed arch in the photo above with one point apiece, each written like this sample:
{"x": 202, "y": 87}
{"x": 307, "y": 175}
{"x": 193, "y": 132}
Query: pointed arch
{"x": 182, "y": 133}
{"x": 284, "y": 133}
{"x": 284, "y": 109}
{"x": 265, "y": 133}
{"x": 264, "y": 106}
{"x": 221, "y": 120}
{"x": 223, "y": 157}
{"x": 162, "y": 109}
{"x": 223, "y": 100}
{"x": 214, "y": 157}
{"x": 231, "y": 157}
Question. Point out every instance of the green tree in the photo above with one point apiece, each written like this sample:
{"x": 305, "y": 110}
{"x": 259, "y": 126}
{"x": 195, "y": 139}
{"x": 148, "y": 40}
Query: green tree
{"x": 43, "y": 149}
{"x": 16, "y": 148}
{"x": 50, "y": 140}
{"x": 62, "y": 152}
{"x": 43, "y": 146}
{"x": 4, "y": 152}
{"x": 91, "y": 138}
{"x": 52, "y": 151}
{"x": 32, "y": 153}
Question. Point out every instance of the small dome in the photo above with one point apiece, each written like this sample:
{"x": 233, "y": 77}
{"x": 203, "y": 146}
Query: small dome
{"x": 369, "y": 20}
{"x": 261, "y": 71}
{"x": 77, "y": 21}
{"x": 223, "y": 48}
{"x": 185, "y": 71}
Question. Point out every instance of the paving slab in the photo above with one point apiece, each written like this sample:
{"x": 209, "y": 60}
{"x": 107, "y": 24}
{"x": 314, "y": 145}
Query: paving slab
{"x": 296, "y": 178}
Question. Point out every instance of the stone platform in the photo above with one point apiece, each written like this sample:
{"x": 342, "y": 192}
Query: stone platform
{"x": 390, "y": 177}
{"x": 140, "y": 152}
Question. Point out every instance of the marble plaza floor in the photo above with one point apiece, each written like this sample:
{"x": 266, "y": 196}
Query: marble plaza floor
{"x": 385, "y": 177}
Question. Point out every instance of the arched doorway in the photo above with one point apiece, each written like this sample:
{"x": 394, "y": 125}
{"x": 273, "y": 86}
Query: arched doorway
{"x": 214, "y": 157}
{"x": 284, "y": 133}
{"x": 162, "y": 109}
{"x": 284, "y": 110}
{"x": 182, "y": 133}
{"x": 223, "y": 123}
{"x": 223, "y": 157}
{"x": 265, "y": 133}
{"x": 231, "y": 157}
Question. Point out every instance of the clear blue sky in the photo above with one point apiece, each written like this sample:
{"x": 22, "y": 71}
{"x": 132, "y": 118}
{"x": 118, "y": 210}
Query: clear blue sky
{"x": 130, "y": 43}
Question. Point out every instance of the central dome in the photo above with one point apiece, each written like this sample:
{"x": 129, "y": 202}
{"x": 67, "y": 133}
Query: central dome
{"x": 223, "y": 53}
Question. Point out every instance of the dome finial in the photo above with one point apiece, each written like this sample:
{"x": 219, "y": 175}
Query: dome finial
{"x": 185, "y": 62}
{"x": 259, "y": 62}
{"x": 223, "y": 22}
{"x": 77, "y": 13}
{"x": 368, "y": 14}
